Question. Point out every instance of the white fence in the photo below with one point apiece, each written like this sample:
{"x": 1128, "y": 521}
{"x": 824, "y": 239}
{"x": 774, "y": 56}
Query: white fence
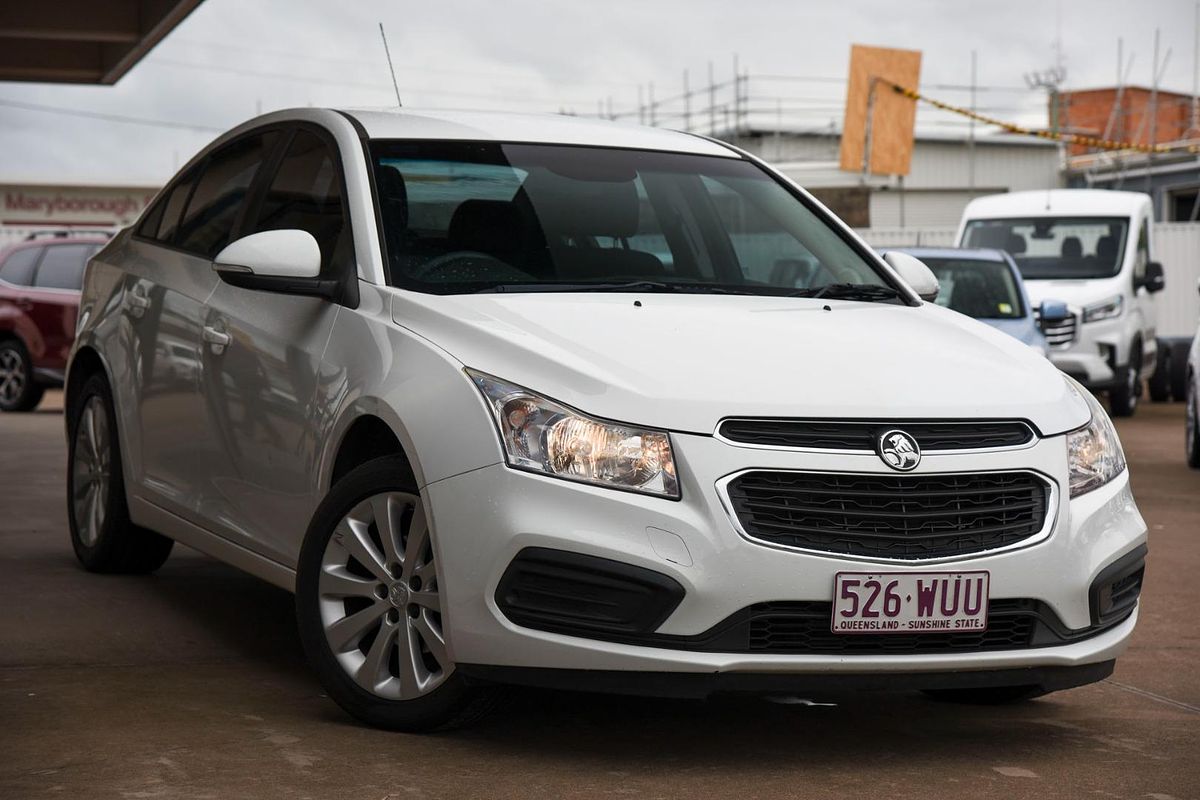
{"x": 1176, "y": 245}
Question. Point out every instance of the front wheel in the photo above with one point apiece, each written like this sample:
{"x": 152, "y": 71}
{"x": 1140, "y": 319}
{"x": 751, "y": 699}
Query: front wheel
{"x": 18, "y": 391}
{"x": 370, "y": 608}
{"x": 990, "y": 696}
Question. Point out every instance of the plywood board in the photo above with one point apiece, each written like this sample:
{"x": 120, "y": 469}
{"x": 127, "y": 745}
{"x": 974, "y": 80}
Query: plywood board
{"x": 893, "y": 115}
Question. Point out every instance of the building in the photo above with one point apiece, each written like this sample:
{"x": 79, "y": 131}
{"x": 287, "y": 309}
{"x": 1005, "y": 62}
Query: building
{"x": 29, "y": 207}
{"x": 1124, "y": 114}
{"x": 947, "y": 172}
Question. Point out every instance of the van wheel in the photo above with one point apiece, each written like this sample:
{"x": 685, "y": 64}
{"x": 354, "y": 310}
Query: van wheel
{"x": 1179, "y": 369}
{"x": 1123, "y": 399}
{"x": 104, "y": 538}
{"x": 990, "y": 696}
{"x": 370, "y": 608}
{"x": 1193, "y": 424}
{"x": 1160, "y": 382}
{"x": 18, "y": 391}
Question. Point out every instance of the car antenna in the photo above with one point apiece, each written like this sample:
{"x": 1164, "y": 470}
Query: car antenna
{"x": 391, "y": 69}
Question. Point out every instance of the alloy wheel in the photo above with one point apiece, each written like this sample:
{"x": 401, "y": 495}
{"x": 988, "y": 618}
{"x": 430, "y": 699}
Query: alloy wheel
{"x": 91, "y": 470}
{"x": 12, "y": 375}
{"x": 379, "y": 602}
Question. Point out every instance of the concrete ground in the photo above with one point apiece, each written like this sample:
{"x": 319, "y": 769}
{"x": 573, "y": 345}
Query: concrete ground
{"x": 191, "y": 683}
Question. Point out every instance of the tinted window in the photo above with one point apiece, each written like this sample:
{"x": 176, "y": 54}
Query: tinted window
{"x": 18, "y": 267}
{"x": 471, "y": 216}
{"x": 306, "y": 194}
{"x": 980, "y": 289}
{"x": 220, "y": 192}
{"x": 62, "y": 266}
{"x": 173, "y": 207}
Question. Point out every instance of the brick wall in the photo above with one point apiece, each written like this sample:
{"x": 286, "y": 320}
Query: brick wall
{"x": 1088, "y": 112}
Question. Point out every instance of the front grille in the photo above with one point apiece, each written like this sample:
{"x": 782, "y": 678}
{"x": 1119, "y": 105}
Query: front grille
{"x": 803, "y": 627}
{"x": 1060, "y": 332}
{"x": 863, "y": 434}
{"x": 907, "y": 517}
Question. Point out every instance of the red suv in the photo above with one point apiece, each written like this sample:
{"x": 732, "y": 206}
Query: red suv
{"x": 39, "y": 301}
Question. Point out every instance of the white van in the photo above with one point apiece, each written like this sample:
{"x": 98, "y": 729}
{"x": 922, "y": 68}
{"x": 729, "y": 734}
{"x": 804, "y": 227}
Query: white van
{"x": 1092, "y": 249}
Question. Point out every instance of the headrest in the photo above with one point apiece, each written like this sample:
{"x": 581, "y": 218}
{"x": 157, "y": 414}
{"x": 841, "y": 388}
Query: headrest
{"x": 393, "y": 196}
{"x": 1106, "y": 248}
{"x": 1072, "y": 247}
{"x": 567, "y": 207}
{"x": 485, "y": 226}
{"x": 1016, "y": 244}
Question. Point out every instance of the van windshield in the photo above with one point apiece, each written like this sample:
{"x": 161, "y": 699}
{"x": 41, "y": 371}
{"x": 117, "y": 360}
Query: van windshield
{"x": 1055, "y": 247}
{"x": 464, "y": 217}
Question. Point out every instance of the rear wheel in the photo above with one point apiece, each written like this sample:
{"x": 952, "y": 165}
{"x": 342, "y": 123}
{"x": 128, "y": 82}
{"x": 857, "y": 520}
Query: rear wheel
{"x": 990, "y": 696}
{"x": 1123, "y": 398}
{"x": 104, "y": 538}
{"x": 1179, "y": 369}
{"x": 370, "y": 607}
{"x": 1193, "y": 424}
{"x": 18, "y": 392}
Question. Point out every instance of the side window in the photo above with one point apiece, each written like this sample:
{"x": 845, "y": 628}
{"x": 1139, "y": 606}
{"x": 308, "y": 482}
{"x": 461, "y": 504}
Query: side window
{"x": 306, "y": 193}
{"x": 1143, "y": 252}
{"x": 220, "y": 194}
{"x": 18, "y": 267}
{"x": 62, "y": 266}
{"x": 173, "y": 208}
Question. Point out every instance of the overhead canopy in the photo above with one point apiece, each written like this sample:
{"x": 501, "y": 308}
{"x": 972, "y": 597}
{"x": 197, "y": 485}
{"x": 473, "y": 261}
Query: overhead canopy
{"x": 82, "y": 41}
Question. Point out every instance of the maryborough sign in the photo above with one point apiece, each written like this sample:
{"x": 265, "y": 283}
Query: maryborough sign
{"x": 72, "y": 205}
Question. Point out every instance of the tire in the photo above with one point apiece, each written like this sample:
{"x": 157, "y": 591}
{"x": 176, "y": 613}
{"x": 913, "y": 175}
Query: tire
{"x": 1179, "y": 369}
{"x": 368, "y": 606}
{"x": 1159, "y": 383}
{"x": 104, "y": 538}
{"x": 18, "y": 390}
{"x": 1123, "y": 399}
{"x": 1192, "y": 428}
{"x": 991, "y": 696}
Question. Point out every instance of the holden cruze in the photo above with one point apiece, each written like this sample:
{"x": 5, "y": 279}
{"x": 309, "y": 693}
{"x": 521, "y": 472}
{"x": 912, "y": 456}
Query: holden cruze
{"x": 536, "y": 400}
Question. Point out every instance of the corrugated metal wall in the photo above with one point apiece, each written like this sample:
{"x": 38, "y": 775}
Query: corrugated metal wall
{"x": 1176, "y": 245}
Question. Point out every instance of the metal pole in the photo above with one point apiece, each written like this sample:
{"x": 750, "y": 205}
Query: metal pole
{"x": 1153, "y": 115}
{"x": 712, "y": 102}
{"x": 971, "y": 135}
{"x": 653, "y": 118}
{"x": 778, "y": 128}
{"x": 737, "y": 100}
{"x": 687, "y": 104}
{"x": 1194, "y": 127}
{"x": 866, "y": 156}
{"x": 641, "y": 107}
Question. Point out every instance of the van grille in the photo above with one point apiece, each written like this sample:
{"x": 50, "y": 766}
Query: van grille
{"x": 905, "y": 517}
{"x": 1060, "y": 332}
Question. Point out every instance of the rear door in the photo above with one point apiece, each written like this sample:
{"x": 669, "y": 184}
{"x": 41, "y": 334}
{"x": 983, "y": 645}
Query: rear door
{"x": 170, "y": 279}
{"x": 261, "y": 386}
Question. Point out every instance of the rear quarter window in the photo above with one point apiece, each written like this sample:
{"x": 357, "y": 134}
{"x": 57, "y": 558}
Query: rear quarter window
{"x": 62, "y": 266}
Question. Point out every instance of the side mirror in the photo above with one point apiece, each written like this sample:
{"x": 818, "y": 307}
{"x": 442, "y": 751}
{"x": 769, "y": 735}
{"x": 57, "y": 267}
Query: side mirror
{"x": 914, "y": 272}
{"x": 1053, "y": 311}
{"x": 284, "y": 261}
{"x": 1155, "y": 279}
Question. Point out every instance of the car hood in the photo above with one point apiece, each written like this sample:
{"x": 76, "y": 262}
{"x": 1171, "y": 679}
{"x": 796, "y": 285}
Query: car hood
{"x": 684, "y": 362}
{"x": 1023, "y": 329}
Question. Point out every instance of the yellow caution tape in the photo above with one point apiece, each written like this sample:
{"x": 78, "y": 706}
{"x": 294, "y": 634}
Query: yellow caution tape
{"x": 1068, "y": 138}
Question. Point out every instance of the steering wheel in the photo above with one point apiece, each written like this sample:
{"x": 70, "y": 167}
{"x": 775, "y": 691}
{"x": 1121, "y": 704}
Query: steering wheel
{"x": 446, "y": 261}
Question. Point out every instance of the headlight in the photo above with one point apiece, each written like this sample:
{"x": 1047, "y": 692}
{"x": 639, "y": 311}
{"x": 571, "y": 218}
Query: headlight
{"x": 1094, "y": 452}
{"x": 1109, "y": 309}
{"x": 542, "y": 436}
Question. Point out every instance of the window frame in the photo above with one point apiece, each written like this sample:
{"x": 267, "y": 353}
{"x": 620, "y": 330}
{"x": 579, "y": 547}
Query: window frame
{"x": 37, "y": 260}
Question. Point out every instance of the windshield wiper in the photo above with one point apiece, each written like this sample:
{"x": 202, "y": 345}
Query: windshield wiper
{"x": 630, "y": 286}
{"x": 849, "y": 291}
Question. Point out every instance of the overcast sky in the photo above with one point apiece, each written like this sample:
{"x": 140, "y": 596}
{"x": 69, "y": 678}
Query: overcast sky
{"x": 232, "y": 59}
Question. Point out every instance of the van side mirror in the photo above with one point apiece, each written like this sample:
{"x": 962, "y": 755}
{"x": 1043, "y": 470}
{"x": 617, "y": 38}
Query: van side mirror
{"x": 1053, "y": 311}
{"x": 914, "y": 272}
{"x": 1155, "y": 280}
{"x": 284, "y": 261}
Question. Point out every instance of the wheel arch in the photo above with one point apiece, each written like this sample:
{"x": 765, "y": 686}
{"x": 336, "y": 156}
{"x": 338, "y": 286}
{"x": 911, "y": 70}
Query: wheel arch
{"x": 366, "y": 430}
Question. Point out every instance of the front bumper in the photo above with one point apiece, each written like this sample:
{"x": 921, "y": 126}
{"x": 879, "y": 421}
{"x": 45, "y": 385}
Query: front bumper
{"x": 482, "y": 519}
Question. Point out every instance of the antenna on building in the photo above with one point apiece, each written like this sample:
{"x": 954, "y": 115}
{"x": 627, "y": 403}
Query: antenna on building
{"x": 391, "y": 69}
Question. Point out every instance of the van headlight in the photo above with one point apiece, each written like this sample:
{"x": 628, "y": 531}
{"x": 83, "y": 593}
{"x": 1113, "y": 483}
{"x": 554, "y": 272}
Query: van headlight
{"x": 541, "y": 435}
{"x": 1094, "y": 452}
{"x": 1107, "y": 309}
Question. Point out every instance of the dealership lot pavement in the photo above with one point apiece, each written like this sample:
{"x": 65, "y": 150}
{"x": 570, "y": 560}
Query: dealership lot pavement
{"x": 191, "y": 683}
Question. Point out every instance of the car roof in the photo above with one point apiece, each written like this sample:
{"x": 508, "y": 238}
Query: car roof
{"x": 406, "y": 123}
{"x": 961, "y": 253}
{"x": 1057, "y": 203}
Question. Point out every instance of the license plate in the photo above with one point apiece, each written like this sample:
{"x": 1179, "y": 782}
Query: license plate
{"x": 910, "y": 602}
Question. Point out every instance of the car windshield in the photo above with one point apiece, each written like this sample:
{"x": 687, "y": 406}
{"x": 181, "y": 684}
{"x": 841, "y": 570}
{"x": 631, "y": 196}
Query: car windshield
{"x": 1055, "y": 247}
{"x": 468, "y": 217}
{"x": 977, "y": 288}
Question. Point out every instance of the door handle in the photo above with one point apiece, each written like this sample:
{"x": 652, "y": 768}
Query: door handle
{"x": 217, "y": 339}
{"x": 136, "y": 302}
